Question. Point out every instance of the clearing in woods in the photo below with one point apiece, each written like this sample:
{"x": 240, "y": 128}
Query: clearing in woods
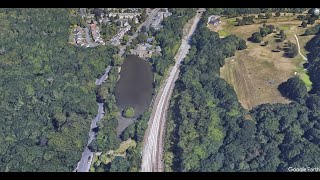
{"x": 108, "y": 156}
{"x": 256, "y": 72}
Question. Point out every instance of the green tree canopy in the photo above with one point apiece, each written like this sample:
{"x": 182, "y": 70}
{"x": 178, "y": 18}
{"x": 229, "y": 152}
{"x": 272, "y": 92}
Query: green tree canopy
{"x": 128, "y": 112}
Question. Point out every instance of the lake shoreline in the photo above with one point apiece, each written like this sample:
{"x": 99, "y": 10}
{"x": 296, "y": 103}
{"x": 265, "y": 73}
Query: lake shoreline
{"x": 133, "y": 89}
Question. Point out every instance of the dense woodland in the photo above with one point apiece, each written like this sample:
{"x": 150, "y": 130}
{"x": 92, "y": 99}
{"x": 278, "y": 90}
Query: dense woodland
{"x": 48, "y": 99}
{"x": 107, "y": 138}
{"x": 234, "y": 12}
{"x": 47, "y": 90}
{"x": 314, "y": 59}
{"x": 208, "y": 130}
{"x": 312, "y": 31}
{"x": 169, "y": 39}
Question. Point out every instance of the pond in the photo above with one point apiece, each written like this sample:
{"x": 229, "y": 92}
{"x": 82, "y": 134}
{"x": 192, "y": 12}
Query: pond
{"x": 134, "y": 88}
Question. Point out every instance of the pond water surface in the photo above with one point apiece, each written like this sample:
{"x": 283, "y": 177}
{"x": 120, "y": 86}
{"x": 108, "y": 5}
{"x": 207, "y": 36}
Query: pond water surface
{"x": 134, "y": 88}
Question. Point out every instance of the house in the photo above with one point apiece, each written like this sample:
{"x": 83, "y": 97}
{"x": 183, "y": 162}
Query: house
{"x": 105, "y": 20}
{"x": 215, "y": 20}
{"x": 78, "y": 35}
{"x": 166, "y": 13}
{"x": 123, "y": 22}
{"x": 116, "y": 39}
{"x": 83, "y": 12}
{"x": 156, "y": 24}
{"x": 146, "y": 46}
{"x": 128, "y": 15}
{"x": 126, "y": 23}
{"x": 143, "y": 50}
{"x": 158, "y": 49}
{"x": 95, "y": 33}
{"x": 90, "y": 16}
{"x": 149, "y": 40}
{"x": 124, "y": 15}
{"x": 93, "y": 28}
{"x": 136, "y": 20}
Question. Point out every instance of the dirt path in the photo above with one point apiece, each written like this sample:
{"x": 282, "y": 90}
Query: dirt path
{"x": 299, "y": 48}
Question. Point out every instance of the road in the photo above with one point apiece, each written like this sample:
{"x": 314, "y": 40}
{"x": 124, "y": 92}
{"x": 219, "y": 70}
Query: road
{"x": 85, "y": 162}
{"x": 88, "y": 39}
{"x": 86, "y": 158}
{"x": 146, "y": 23}
{"x": 299, "y": 48}
{"x": 104, "y": 77}
{"x": 153, "y": 140}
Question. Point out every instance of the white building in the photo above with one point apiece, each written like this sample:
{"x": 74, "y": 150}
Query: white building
{"x": 116, "y": 39}
{"x": 136, "y": 20}
{"x": 124, "y": 15}
{"x": 156, "y": 24}
{"x": 79, "y": 35}
{"x": 215, "y": 20}
{"x": 96, "y": 33}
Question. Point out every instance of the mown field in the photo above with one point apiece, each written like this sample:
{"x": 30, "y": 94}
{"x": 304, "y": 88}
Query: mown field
{"x": 256, "y": 72}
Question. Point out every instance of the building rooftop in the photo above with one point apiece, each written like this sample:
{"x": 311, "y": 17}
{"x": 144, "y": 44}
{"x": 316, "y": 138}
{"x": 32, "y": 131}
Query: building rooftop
{"x": 149, "y": 40}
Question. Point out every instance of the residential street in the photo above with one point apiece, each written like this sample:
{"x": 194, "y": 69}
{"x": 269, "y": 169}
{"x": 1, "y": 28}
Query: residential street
{"x": 88, "y": 39}
{"x": 146, "y": 23}
{"x": 104, "y": 77}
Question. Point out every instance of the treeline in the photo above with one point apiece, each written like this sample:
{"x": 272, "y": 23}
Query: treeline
{"x": 310, "y": 18}
{"x": 245, "y": 20}
{"x": 47, "y": 90}
{"x": 107, "y": 138}
{"x": 257, "y": 37}
{"x": 234, "y": 12}
{"x": 208, "y": 130}
{"x": 312, "y": 31}
{"x": 169, "y": 39}
{"x": 202, "y": 104}
{"x": 314, "y": 60}
{"x": 291, "y": 50}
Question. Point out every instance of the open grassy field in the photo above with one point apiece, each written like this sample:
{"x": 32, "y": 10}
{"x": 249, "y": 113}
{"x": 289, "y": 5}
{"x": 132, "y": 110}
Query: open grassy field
{"x": 255, "y": 81}
{"x": 256, "y": 72}
{"x": 110, "y": 155}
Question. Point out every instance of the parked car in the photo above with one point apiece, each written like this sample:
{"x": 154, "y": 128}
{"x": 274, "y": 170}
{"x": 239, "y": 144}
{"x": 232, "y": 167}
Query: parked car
{"x": 89, "y": 159}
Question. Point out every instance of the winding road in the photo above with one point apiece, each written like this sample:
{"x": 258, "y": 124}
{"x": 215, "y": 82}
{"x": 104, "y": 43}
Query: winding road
{"x": 86, "y": 158}
{"x": 153, "y": 140}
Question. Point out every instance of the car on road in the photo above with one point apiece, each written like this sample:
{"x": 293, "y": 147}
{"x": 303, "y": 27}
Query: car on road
{"x": 89, "y": 159}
